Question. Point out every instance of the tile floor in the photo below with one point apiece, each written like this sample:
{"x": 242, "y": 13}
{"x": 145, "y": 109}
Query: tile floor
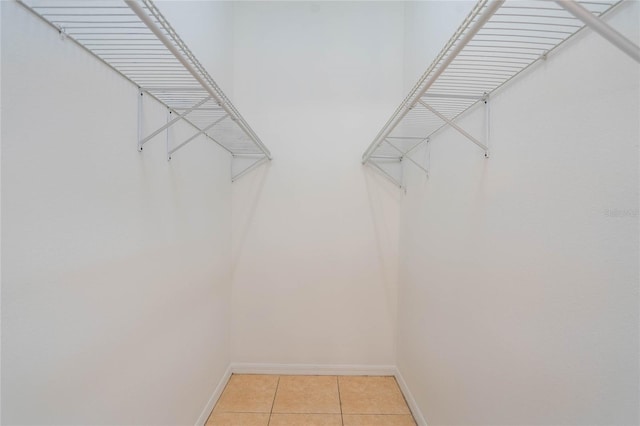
{"x": 266, "y": 400}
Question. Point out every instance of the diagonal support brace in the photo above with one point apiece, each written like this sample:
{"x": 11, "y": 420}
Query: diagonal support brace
{"x": 261, "y": 159}
{"x": 202, "y": 131}
{"x": 384, "y": 173}
{"x": 403, "y": 156}
{"x": 456, "y": 127}
{"x": 179, "y": 117}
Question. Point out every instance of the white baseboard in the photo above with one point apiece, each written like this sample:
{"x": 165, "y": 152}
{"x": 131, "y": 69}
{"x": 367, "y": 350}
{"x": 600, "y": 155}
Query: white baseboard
{"x": 413, "y": 405}
{"x": 314, "y": 369}
{"x": 214, "y": 397}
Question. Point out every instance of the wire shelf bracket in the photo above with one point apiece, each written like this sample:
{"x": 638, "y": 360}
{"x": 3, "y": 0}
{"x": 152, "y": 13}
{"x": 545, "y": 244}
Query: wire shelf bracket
{"x": 389, "y": 167}
{"x": 134, "y": 39}
{"x": 497, "y": 41}
{"x": 244, "y": 163}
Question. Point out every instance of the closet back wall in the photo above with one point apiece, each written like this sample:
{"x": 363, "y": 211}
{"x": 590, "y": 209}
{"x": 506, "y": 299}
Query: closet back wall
{"x": 315, "y": 234}
{"x": 115, "y": 264}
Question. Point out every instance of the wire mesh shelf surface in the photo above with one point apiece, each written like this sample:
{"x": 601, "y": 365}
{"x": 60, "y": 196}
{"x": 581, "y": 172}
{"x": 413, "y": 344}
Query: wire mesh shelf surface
{"x": 516, "y": 35}
{"x": 113, "y": 32}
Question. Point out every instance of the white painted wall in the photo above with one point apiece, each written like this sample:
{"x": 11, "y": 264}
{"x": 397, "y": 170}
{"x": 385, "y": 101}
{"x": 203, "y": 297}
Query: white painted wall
{"x": 428, "y": 25}
{"x": 207, "y": 29}
{"x": 315, "y": 233}
{"x": 518, "y": 299}
{"x": 115, "y": 264}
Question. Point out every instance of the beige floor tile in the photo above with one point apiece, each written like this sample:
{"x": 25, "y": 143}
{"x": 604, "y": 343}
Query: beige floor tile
{"x": 248, "y": 393}
{"x": 378, "y": 420}
{"x": 306, "y": 420}
{"x": 371, "y": 395}
{"x": 238, "y": 419}
{"x": 307, "y": 394}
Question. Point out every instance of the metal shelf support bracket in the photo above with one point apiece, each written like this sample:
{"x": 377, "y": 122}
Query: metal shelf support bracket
{"x": 386, "y": 174}
{"x": 140, "y": 96}
{"x": 456, "y": 127}
{"x": 260, "y": 158}
{"x": 487, "y": 124}
{"x": 200, "y": 132}
{"x": 169, "y": 123}
{"x": 403, "y": 155}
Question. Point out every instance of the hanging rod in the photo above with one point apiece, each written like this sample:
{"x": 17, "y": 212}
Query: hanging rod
{"x": 620, "y": 41}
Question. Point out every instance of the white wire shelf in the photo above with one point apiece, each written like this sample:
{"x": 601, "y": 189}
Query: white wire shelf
{"x": 136, "y": 40}
{"x": 497, "y": 41}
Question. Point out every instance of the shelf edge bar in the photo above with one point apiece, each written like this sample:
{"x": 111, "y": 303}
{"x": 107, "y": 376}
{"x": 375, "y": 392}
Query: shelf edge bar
{"x": 602, "y": 28}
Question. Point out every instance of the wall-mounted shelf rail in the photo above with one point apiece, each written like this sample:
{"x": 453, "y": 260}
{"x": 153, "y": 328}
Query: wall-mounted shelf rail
{"x": 136, "y": 40}
{"x": 497, "y": 41}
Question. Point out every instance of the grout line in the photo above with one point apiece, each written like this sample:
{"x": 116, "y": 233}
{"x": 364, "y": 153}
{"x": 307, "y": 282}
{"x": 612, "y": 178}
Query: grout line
{"x": 380, "y": 414}
{"x": 340, "y": 400}
{"x": 298, "y": 413}
{"x": 274, "y": 400}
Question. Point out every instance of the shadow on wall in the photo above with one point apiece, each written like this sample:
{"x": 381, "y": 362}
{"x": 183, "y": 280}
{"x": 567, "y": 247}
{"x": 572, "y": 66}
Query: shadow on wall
{"x": 245, "y": 209}
{"x": 380, "y": 190}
